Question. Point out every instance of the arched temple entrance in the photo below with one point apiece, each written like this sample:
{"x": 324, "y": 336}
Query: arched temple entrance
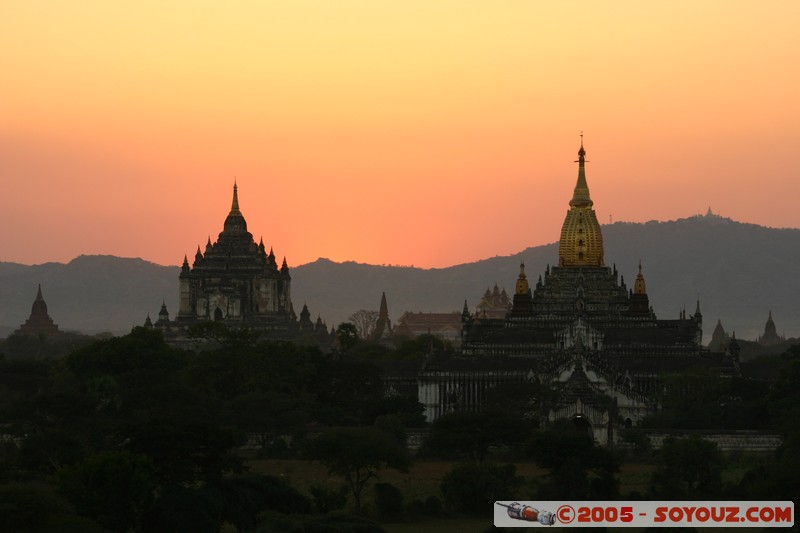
{"x": 581, "y": 424}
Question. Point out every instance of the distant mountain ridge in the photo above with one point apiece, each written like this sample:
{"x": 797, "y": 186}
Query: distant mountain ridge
{"x": 739, "y": 271}
{"x": 91, "y": 293}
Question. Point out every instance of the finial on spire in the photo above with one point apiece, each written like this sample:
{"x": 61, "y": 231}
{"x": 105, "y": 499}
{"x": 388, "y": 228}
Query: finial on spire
{"x": 581, "y": 195}
{"x": 581, "y": 151}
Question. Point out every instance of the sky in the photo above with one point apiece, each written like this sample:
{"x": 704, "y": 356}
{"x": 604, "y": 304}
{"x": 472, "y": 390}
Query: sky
{"x": 408, "y": 132}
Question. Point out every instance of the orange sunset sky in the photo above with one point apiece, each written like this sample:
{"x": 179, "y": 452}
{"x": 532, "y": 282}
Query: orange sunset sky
{"x": 430, "y": 132}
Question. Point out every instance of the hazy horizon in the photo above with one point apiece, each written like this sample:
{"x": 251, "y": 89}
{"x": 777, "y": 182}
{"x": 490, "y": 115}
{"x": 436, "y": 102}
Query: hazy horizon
{"x": 410, "y": 265}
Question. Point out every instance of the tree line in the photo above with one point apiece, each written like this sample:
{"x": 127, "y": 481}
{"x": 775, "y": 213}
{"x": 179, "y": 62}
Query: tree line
{"x": 130, "y": 434}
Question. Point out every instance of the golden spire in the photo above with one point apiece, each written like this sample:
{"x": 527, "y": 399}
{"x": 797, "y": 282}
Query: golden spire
{"x": 581, "y": 242}
{"x": 639, "y": 286}
{"x": 522, "y": 280}
{"x": 580, "y": 198}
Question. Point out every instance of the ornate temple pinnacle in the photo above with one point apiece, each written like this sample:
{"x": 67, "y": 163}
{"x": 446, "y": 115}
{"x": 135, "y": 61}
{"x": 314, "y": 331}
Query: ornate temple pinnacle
{"x": 639, "y": 286}
{"x": 581, "y": 240}
{"x": 580, "y": 197}
{"x": 235, "y": 224}
{"x": 522, "y": 281}
{"x": 235, "y": 202}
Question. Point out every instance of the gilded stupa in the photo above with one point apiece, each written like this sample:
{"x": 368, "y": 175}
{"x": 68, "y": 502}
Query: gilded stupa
{"x": 580, "y": 327}
{"x": 581, "y": 239}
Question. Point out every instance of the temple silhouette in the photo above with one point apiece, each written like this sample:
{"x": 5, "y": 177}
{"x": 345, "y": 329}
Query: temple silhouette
{"x": 578, "y": 326}
{"x": 236, "y": 282}
{"x": 39, "y": 322}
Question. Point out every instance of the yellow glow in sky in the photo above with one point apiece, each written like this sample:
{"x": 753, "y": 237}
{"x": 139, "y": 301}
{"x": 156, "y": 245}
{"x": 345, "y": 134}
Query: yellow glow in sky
{"x": 407, "y": 132}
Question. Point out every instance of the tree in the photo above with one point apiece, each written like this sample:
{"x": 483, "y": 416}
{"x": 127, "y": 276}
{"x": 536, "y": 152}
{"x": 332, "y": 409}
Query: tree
{"x": 418, "y": 347}
{"x": 346, "y": 392}
{"x": 357, "y": 454}
{"x": 409, "y": 410}
{"x": 578, "y": 468}
{"x": 689, "y": 469}
{"x": 114, "y": 488}
{"x": 185, "y": 451}
{"x": 180, "y": 508}
{"x": 365, "y": 322}
{"x": 389, "y": 501}
{"x": 245, "y": 498}
{"x": 133, "y": 359}
{"x": 48, "y": 451}
{"x": 35, "y": 507}
{"x": 267, "y": 415}
{"x": 472, "y": 434}
{"x": 347, "y": 335}
{"x": 472, "y": 488}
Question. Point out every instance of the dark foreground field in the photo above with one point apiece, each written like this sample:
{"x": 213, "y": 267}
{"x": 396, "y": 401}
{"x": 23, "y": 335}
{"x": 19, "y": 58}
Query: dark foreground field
{"x": 424, "y": 478}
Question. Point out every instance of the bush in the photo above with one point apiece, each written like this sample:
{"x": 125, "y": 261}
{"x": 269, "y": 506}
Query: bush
{"x": 327, "y": 499}
{"x": 433, "y": 506}
{"x": 185, "y": 509}
{"x": 244, "y": 498}
{"x": 345, "y": 523}
{"x": 416, "y": 508}
{"x": 389, "y": 501}
{"x": 473, "y": 488}
{"x": 113, "y": 488}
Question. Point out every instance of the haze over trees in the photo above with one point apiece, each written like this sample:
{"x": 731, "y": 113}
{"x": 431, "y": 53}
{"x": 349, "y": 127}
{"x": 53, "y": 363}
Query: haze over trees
{"x": 739, "y": 271}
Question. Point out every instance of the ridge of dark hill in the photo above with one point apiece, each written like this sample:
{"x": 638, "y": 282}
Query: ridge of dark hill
{"x": 740, "y": 272}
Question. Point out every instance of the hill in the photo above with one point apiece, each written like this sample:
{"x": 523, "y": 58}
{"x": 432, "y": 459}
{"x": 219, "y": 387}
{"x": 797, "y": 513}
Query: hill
{"x": 90, "y": 294}
{"x": 739, "y": 271}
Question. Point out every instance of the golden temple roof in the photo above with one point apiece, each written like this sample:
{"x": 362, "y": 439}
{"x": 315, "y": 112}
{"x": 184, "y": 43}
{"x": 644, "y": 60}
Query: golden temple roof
{"x": 581, "y": 241}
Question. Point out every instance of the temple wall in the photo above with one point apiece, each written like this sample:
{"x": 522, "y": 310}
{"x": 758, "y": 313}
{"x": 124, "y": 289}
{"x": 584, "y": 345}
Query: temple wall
{"x": 743, "y": 441}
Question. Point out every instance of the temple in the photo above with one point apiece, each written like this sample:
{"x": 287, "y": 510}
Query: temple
{"x": 383, "y": 325}
{"x": 581, "y": 327}
{"x": 39, "y": 323}
{"x": 770, "y": 336}
{"x": 236, "y": 282}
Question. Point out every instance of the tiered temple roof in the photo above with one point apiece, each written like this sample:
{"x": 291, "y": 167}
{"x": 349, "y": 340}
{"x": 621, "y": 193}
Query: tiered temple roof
{"x": 39, "y": 322}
